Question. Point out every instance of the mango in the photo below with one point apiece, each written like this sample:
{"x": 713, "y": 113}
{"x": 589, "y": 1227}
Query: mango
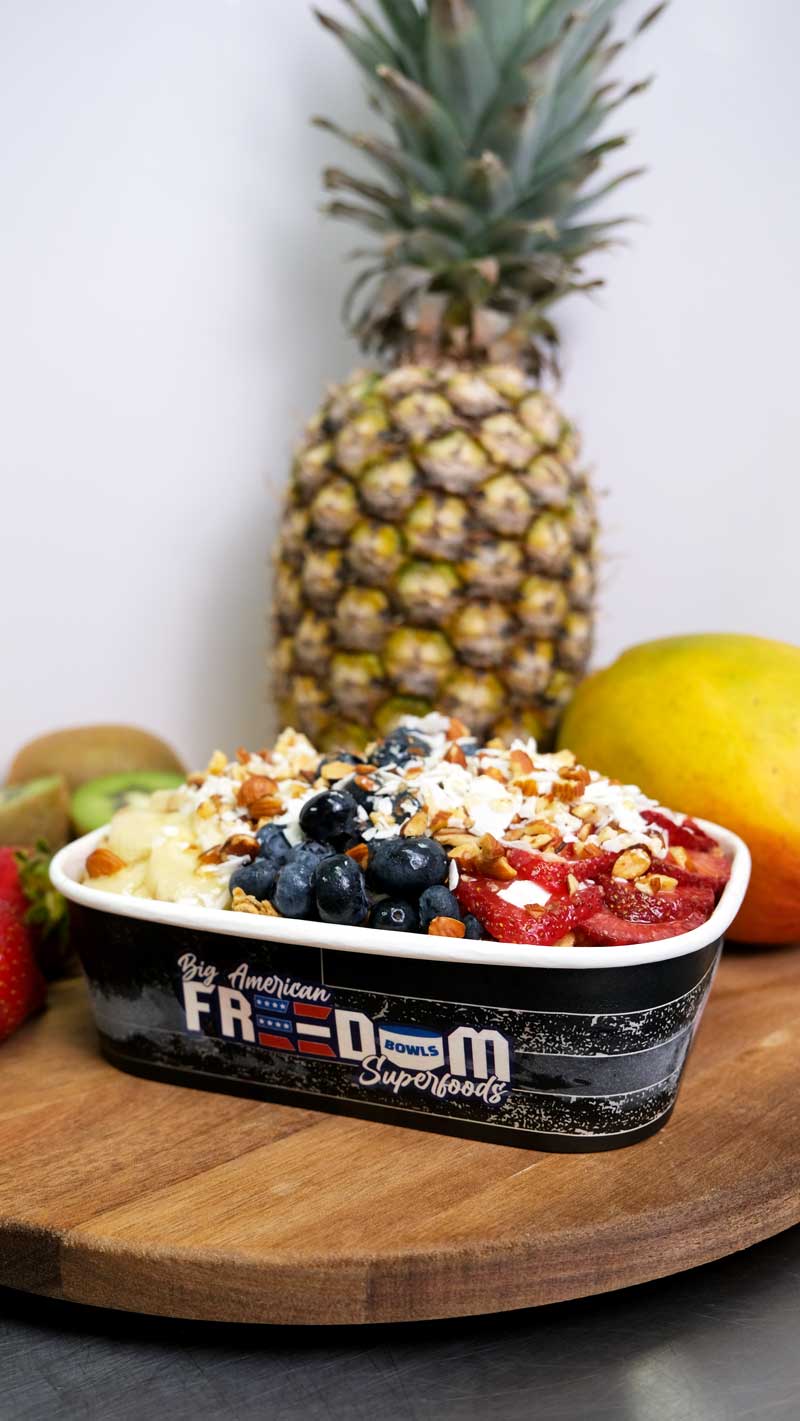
{"x": 709, "y": 725}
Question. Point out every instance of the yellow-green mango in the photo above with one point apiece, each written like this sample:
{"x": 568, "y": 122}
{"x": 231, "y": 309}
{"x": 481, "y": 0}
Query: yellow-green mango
{"x": 709, "y": 725}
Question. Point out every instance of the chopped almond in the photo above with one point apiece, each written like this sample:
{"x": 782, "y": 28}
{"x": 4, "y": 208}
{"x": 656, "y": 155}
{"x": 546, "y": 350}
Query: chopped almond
{"x": 631, "y": 864}
{"x": 658, "y": 882}
{"x": 464, "y": 852}
{"x": 455, "y": 756}
{"x": 578, "y": 773}
{"x": 528, "y": 786}
{"x": 360, "y": 853}
{"x": 102, "y": 862}
{"x": 336, "y": 770}
{"x": 269, "y": 807}
{"x": 240, "y": 846}
{"x": 490, "y": 860}
{"x": 257, "y": 794}
{"x": 446, "y": 927}
{"x": 592, "y": 851}
{"x": 457, "y": 730}
{"x": 212, "y": 855}
{"x": 455, "y": 838}
{"x": 567, "y": 791}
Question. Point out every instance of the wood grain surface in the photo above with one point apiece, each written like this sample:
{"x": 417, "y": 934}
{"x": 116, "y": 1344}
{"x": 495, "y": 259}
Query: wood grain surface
{"x": 130, "y": 1194}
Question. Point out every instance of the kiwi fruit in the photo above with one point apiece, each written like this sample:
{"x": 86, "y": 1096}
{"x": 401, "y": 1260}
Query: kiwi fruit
{"x": 88, "y": 752}
{"x": 36, "y": 810}
{"x": 94, "y": 803}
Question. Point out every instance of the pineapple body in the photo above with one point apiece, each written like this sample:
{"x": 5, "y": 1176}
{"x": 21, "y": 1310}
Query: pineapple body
{"x": 436, "y": 552}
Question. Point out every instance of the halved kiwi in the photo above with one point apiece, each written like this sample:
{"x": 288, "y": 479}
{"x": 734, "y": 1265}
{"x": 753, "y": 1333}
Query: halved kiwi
{"x": 36, "y": 810}
{"x": 94, "y": 803}
{"x": 85, "y": 752}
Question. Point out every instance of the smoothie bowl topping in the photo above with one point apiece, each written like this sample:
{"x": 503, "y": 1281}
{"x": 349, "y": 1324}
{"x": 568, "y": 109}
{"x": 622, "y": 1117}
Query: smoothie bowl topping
{"x": 427, "y": 832}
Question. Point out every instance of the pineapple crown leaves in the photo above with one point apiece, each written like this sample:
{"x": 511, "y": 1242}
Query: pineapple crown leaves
{"x": 497, "y": 113}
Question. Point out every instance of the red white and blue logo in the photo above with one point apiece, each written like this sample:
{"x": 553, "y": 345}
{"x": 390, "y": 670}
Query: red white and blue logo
{"x": 294, "y": 1026}
{"x": 303, "y": 1019}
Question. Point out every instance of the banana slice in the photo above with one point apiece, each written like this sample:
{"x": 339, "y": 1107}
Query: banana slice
{"x": 133, "y": 830}
{"x": 129, "y": 879}
{"x": 172, "y": 873}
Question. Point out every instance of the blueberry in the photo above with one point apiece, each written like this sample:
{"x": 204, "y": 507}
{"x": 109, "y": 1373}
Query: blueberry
{"x": 275, "y": 846}
{"x": 340, "y": 892}
{"x": 399, "y": 747}
{"x": 437, "y": 902}
{"x": 294, "y": 895}
{"x": 406, "y": 866}
{"x": 309, "y": 851}
{"x": 396, "y": 915}
{"x": 362, "y": 797}
{"x": 257, "y": 878}
{"x": 474, "y": 929}
{"x": 332, "y": 816}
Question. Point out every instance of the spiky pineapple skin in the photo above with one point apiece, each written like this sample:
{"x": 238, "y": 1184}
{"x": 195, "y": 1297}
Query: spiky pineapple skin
{"x": 437, "y": 551}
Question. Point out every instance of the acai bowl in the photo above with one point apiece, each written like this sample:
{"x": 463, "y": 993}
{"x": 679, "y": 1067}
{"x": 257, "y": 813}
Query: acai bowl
{"x": 478, "y": 940}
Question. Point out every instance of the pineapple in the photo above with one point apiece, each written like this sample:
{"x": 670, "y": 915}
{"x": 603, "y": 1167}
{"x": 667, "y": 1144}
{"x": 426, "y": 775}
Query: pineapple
{"x": 438, "y": 548}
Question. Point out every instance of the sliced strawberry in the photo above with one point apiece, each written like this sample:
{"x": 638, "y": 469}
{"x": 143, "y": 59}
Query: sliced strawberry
{"x": 594, "y": 868}
{"x": 605, "y": 929}
{"x": 713, "y": 869}
{"x": 508, "y": 923}
{"x": 552, "y": 874}
{"x": 629, "y": 903}
{"x": 686, "y": 835}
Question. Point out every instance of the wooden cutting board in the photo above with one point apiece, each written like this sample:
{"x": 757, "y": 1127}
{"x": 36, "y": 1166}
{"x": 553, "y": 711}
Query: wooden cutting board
{"x": 153, "y": 1198}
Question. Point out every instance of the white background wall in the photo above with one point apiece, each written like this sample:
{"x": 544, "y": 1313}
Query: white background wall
{"x": 168, "y": 315}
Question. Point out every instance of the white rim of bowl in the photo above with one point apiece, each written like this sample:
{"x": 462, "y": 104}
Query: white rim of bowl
{"x": 69, "y": 862}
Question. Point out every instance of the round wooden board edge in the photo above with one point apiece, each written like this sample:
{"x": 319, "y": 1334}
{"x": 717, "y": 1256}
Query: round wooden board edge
{"x": 417, "y": 1282}
{"x": 398, "y": 1288}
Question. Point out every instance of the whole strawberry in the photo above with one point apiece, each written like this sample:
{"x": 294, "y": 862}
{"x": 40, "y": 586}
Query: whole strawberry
{"x": 45, "y": 912}
{"x": 22, "y": 986}
{"x": 11, "y": 890}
